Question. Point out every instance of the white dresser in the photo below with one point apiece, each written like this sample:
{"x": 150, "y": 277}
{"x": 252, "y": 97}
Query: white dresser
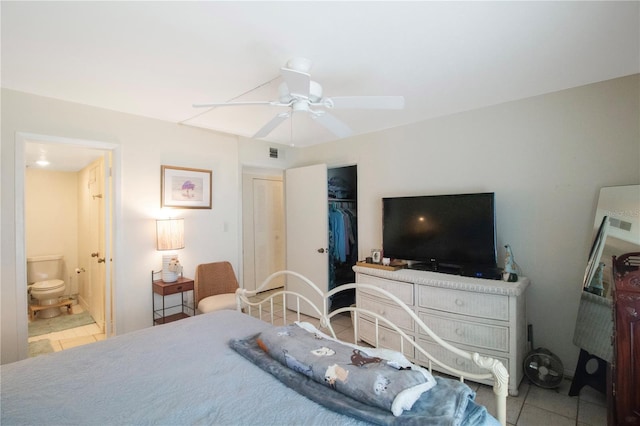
{"x": 477, "y": 315}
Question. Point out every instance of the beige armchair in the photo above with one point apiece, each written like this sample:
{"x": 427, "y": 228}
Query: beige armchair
{"x": 214, "y": 287}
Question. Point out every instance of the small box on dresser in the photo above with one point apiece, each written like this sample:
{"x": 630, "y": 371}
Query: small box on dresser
{"x": 474, "y": 314}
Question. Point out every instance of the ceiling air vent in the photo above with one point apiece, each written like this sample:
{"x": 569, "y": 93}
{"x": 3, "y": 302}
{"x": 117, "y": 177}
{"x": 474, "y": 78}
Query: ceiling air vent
{"x": 273, "y": 152}
{"x": 620, "y": 224}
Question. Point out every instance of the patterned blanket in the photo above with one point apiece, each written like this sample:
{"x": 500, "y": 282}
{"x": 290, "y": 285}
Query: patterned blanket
{"x": 376, "y": 377}
{"x": 449, "y": 403}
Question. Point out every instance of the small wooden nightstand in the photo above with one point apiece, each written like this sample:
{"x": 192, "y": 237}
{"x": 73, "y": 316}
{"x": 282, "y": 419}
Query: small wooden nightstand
{"x": 164, "y": 289}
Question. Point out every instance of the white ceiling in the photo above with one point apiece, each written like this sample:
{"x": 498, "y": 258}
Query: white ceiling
{"x": 156, "y": 59}
{"x": 62, "y": 157}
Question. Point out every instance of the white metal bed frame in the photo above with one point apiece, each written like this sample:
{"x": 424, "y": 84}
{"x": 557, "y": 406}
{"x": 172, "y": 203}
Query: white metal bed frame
{"x": 495, "y": 370}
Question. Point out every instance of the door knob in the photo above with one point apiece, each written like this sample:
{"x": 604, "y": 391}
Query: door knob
{"x": 94, "y": 254}
{"x": 321, "y": 250}
{"x": 101, "y": 260}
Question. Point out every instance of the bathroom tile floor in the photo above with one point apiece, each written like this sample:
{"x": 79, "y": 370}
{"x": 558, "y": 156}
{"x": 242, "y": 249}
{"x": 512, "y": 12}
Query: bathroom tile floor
{"x": 66, "y": 339}
{"x": 534, "y": 406}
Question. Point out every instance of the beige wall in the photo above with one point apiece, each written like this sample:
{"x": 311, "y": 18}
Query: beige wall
{"x": 546, "y": 159}
{"x": 254, "y": 155}
{"x": 143, "y": 145}
{"x": 51, "y": 217}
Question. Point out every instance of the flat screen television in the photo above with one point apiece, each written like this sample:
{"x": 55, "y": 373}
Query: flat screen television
{"x": 447, "y": 233}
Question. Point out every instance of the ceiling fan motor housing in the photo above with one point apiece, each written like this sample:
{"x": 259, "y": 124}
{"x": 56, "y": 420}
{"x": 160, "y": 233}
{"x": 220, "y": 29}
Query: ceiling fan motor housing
{"x": 315, "y": 93}
{"x": 299, "y": 64}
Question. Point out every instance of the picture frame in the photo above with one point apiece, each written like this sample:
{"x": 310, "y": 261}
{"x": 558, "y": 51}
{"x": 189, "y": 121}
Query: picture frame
{"x": 186, "y": 188}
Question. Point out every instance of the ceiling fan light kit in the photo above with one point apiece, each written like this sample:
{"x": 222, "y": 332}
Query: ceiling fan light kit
{"x": 299, "y": 93}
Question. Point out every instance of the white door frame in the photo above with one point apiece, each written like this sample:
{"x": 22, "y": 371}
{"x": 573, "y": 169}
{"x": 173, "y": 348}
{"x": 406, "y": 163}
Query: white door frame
{"x": 266, "y": 172}
{"x": 21, "y": 139}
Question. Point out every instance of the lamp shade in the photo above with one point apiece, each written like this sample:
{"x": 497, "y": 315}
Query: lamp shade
{"x": 169, "y": 234}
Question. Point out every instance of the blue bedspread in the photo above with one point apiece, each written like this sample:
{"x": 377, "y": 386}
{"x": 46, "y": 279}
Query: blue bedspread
{"x": 182, "y": 373}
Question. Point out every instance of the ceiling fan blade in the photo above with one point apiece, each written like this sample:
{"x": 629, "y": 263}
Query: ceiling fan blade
{"x": 297, "y": 82}
{"x": 215, "y": 104}
{"x": 271, "y": 125}
{"x": 332, "y": 124}
{"x": 366, "y": 102}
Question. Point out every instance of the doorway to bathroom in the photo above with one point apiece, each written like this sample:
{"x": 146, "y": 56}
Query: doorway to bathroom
{"x": 68, "y": 212}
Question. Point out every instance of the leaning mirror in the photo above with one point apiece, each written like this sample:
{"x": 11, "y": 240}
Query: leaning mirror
{"x": 616, "y": 231}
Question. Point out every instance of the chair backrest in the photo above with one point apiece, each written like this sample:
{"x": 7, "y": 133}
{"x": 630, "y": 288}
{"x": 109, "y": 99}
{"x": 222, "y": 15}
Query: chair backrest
{"x": 214, "y": 278}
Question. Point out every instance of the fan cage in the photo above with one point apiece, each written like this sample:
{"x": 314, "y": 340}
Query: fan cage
{"x": 543, "y": 368}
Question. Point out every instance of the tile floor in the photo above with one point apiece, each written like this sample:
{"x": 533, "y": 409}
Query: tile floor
{"x": 72, "y": 337}
{"x": 533, "y": 406}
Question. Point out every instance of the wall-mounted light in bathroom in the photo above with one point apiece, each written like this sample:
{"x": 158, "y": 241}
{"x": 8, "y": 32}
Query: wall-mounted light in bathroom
{"x": 42, "y": 162}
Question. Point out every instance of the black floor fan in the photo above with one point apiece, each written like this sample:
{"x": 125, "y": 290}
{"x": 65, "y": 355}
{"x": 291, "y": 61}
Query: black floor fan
{"x": 543, "y": 367}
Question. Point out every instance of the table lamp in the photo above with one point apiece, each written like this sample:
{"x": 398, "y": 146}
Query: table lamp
{"x": 170, "y": 237}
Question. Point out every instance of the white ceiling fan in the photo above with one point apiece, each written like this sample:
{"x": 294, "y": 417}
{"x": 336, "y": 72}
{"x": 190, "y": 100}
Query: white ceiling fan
{"x": 301, "y": 94}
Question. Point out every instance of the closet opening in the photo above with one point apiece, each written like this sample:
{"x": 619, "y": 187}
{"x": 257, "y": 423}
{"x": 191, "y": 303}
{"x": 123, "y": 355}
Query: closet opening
{"x": 342, "y": 193}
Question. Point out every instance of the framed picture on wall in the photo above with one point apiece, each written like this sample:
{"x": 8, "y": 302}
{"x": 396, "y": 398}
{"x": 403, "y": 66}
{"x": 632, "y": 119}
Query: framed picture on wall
{"x": 185, "y": 188}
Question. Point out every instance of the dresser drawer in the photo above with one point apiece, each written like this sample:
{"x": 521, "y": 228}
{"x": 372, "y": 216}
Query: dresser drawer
{"x": 471, "y": 333}
{"x": 388, "y": 339}
{"x": 480, "y": 305}
{"x": 395, "y": 314}
{"x": 451, "y": 359}
{"x": 402, "y": 290}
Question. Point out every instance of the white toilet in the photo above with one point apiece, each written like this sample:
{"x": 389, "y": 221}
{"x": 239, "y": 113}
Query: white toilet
{"x": 44, "y": 275}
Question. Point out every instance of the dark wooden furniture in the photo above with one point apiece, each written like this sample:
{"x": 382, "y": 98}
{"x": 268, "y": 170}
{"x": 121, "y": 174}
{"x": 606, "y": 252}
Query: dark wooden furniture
{"x": 163, "y": 289}
{"x": 626, "y": 363}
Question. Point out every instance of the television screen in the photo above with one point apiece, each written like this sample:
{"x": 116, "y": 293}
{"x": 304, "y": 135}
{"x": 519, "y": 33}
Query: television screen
{"x": 445, "y": 231}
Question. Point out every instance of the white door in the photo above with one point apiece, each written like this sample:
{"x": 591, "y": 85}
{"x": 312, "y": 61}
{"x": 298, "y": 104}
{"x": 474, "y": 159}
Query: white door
{"x": 263, "y": 230}
{"x": 96, "y": 237}
{"x": 307, "y": 230}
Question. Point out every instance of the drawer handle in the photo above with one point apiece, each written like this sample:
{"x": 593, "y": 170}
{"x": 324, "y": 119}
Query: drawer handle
{"x": 180, "y": 288}
{"x": 459, "y": 332}
{"x": 459, "y": 302}
{"x": 459, "y": 361}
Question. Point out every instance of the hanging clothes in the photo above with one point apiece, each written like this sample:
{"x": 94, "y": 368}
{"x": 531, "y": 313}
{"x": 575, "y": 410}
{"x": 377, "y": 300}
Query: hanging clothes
{"x": 338, "y": 231}
{"x": 342, "y": 237}
{"x": 342, "y": 230}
